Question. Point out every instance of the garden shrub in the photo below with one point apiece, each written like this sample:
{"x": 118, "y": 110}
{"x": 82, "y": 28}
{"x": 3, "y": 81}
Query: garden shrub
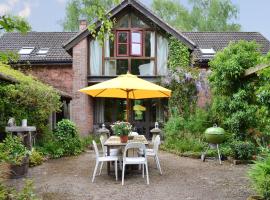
{"x": 12, "y": 150}
{"x": 259, "y": 175}
{"x": 243, "y": 150}
{"x": 26, "y": 193}
{"x": 234, "y": 104}
{"x": 64, "y": 141}
{"x": 35, "y": 158}
{"x": 27, "y": 99}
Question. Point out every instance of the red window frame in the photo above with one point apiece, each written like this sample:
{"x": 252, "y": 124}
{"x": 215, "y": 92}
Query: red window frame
{"x": 121, "y": 43}
{"x": 140, "y": 43}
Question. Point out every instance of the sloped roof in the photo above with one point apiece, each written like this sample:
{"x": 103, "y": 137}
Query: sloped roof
{"x": 52, "y": 40}
{"x": 219, "y": 40}
{"x": 143, "y": 10}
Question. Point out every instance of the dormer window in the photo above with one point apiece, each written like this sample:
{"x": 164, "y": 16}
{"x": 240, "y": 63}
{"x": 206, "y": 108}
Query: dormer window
{"x": 129, "y": 43}
{"x": 26, "y": 50}
{"x": 42, "y": 51}
{"x": 136, "y": 43}
{"x": 122, "y": 43}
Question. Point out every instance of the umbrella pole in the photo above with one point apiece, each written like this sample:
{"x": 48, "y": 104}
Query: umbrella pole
{"x": 127, "y": 106}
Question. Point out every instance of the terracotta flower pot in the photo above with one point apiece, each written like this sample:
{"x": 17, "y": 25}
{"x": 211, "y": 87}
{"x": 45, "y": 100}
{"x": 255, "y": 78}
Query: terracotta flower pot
{"x": 124, "y": 138}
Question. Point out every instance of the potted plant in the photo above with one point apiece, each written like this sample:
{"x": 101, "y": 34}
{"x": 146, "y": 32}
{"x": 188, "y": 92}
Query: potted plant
{"x": 13, "y": 152}
{"x": 122, "y": 129}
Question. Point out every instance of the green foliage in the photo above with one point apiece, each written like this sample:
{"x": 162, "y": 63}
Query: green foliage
{"x": 243, "y": 150}
{"x": 208, "y": 15}
{"x": 91, "y": 10}
{"x": 87, "y": 141}
{"x": 186, "y": 134}
{"x": 35, "y": 158}
{"x": 234, "y": 105}
{"x": 27, "y": 192}
{"x": 121, "y": 128}
{"x": 11, "y": 23}
{"x": 229, "y": 65}
{"x": 259, "y": 175}
{"x": 179, "y": 55}
{"x": 12, "y": 150}
{"x": 29, "y": 98}
{"x": 180, "y": 79}
{"x": 64, "y": 141}
{"x": 173, "y": 13}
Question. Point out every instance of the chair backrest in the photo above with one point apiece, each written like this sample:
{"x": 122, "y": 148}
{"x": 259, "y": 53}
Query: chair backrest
{"x": 102, "y": 141}
{"x": 95, "y": 148}
{"x": 133, "y": 134}
{"x": 156, "y": 143}
{"x": 134, "y": 145}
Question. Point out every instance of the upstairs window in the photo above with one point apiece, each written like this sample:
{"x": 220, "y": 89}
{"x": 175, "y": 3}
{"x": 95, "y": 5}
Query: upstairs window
{"x": 122, "y": 43}
{"x": 136, "y": 43}
{"x": 129, "y": 43}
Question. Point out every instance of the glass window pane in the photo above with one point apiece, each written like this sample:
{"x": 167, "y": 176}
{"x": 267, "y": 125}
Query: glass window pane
{"x": 142, "y": 67}
{"x": 121, "y": 66}
{"x": 139, "y": 110}
{"x": 136, "y": 49}
{"x": 110, "y": 67}
{"x": 147, "y": 44}
{"x": 122, "y": 22}
{"x": 122, "y": 49}
{"x": 109, "y": 109}
{"x": 111, "y": 48}
{"x": 136, "y": 22}
{"x": 136, "y": 37}
{"x": 122, "y": 37}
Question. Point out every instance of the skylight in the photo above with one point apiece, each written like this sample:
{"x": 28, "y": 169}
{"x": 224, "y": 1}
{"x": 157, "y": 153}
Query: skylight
{"x": 43, "y": 51}
{"x": 26, "y": 50}
{"x": 208, "y": 52}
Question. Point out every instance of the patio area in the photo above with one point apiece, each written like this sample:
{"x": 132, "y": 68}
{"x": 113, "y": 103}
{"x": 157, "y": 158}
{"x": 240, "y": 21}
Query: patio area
{"x": 183, "y": 178}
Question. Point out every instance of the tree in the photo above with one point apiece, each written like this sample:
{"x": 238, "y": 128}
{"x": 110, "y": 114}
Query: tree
{"x": 204, "y": 15}
{"x": 11, "y": 23}
{"x": 90, "y": 10}
{"x": 173, "y": 13}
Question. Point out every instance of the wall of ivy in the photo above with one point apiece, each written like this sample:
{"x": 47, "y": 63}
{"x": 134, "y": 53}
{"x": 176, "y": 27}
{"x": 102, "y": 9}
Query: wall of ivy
{"x": 28, "y": 99}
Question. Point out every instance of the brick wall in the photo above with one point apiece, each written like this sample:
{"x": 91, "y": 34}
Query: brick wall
{"x": 58, "y": 76}
{"x": 81, "y": 104}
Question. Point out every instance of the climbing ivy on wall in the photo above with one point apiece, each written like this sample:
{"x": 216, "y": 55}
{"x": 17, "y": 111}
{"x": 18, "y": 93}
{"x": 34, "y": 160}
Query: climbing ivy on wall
{"x": 28, "y": 98}
{"x": 179, "y": 55}
{"x": 180, "y": 79}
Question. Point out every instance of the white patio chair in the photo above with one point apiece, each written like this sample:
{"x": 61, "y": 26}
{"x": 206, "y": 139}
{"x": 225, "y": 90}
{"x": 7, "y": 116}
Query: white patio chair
{"x": 154, "y": 152}
{"x": 113, "y": 152}
{"x": 104, "y": 159}
{"x": 135, "y": 160}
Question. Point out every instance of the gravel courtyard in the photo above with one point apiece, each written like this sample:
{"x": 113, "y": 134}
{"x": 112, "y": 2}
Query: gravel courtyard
{"x": 183, "y": 178}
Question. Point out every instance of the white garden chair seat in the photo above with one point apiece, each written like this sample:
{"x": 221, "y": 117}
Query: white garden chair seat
{"x": 104, "y": 159}
{"x": 135, "y": 160}
{"x": 154, "y": 152}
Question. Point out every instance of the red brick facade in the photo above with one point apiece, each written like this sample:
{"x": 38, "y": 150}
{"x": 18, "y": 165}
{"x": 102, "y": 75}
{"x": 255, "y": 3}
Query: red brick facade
{"x": 58, "y": 76}
{"x": 81, "y": 104}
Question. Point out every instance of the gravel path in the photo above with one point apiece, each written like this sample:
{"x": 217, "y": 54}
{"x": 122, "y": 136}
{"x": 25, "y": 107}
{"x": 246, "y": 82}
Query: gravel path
{"x": 183, "y": 178}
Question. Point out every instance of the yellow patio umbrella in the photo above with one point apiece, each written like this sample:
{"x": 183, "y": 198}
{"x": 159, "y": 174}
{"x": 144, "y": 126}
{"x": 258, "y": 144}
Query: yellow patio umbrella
{"x": 127, "y": 86}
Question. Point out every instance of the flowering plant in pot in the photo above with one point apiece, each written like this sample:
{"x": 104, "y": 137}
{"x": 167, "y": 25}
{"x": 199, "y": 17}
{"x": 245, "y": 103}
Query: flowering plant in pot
{"x": 13, "y": 152}
{"x": 122, "y": 129}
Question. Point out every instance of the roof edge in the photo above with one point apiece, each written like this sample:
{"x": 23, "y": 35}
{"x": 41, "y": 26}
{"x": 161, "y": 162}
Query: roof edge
{"x": 141, "y": 8}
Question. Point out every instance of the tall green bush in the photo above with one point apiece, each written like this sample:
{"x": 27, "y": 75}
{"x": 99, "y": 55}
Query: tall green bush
{"x": 64, "y": 141}
{"x": 260, "y": 177}
{"x": 28, "y": 98}
{"x": 234, "y": 105}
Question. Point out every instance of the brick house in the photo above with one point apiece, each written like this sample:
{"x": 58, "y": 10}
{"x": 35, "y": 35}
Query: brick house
{"x": 70, "y": 61}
